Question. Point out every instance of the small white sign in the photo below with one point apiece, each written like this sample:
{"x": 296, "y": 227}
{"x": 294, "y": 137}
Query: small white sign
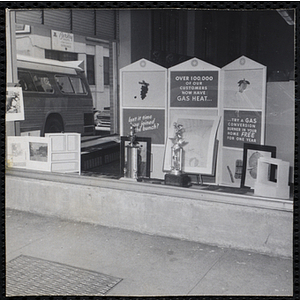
{"x": 62, "y": 41}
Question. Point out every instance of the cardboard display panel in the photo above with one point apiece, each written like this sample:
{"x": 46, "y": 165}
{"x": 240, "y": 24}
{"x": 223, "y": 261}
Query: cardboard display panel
{"x": 143, "y": 104}
{"x": 193, "y": 102}
{"x": 242, "y": 102}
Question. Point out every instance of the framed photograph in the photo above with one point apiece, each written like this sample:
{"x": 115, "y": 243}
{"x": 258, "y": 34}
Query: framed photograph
{"x": 16, "y": 151}
{"x": 38, "y": 153}
{"x": 251, "y": 154}
{"x": 14, "y": 104}
{"x": 144, "y": 160}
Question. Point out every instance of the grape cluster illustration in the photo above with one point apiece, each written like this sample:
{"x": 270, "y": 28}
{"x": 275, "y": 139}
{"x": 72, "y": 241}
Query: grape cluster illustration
{"x": 144, "y": 89}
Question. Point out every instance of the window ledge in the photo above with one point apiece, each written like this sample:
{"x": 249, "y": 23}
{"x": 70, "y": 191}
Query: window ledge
{"x": 193, "y": 193}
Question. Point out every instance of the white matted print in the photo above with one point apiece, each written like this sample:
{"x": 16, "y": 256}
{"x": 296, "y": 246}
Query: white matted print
{"x": 16, "y": 148}
{"x": 39, "y": 153}
{"x": 252, "y": 153}
{"x": 198, "y": 152}
{"x": 14, "y": 104}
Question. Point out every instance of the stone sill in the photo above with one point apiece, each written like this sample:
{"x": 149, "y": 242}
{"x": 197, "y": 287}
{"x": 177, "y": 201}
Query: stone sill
{"x": 193, "y": 193}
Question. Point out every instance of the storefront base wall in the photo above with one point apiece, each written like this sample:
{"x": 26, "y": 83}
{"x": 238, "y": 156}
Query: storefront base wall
{"x": 108, "y": 203}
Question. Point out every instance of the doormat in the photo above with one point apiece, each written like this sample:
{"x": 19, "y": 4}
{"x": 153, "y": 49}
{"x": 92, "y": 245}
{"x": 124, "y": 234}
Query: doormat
{"x": 29, "y": 276}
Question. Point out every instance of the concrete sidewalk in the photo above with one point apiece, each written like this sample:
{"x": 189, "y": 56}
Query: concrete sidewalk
{"x": 148, "y": 265}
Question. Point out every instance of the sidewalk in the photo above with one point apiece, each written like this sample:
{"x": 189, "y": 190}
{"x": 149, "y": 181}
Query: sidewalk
{"x": 148, "y": 265}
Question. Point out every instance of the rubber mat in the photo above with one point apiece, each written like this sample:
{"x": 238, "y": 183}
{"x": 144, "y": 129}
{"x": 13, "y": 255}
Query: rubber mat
{"x": 29, "y": 276}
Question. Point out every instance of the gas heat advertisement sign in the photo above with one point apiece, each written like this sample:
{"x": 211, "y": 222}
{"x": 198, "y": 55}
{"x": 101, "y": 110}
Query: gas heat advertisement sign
{"x": 194, "y": 89}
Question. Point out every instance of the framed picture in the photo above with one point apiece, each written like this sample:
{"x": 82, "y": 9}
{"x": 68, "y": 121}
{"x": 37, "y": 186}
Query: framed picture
{"x": 144, "y": 160}
{"x": 38, "y": 153}
{"x": 14, "y": 104}
{"x": 199, "y": 150}
{"x": 16, "y": 151}
{"x": 251, "y": 154}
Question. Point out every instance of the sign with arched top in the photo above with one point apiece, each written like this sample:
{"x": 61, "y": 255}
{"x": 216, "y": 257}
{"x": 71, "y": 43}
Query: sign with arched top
{"x": 193, "y": 102}
{"x": 143, "y": 103}
{"x": 242, "y": 104}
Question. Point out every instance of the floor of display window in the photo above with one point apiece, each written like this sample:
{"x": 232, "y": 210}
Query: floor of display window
{"x": 112, "y": 170}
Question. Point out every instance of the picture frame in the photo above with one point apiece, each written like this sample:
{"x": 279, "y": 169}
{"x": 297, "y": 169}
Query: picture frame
{"x": 199, "y": 151}
{"x": 16, "y": 148}
{"x": 14, "y": 110}
{"x": 145, "y": 164}
{"x": 38, "y": 153}
{"x": 65, "y": 152}
{"x": 251, "y": 154}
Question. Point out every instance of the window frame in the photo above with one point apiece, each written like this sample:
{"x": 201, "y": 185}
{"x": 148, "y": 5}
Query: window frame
{"x": 82, "y": 85}
{"x": 89, "y": 71}
{"x": 106, "y": 73}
